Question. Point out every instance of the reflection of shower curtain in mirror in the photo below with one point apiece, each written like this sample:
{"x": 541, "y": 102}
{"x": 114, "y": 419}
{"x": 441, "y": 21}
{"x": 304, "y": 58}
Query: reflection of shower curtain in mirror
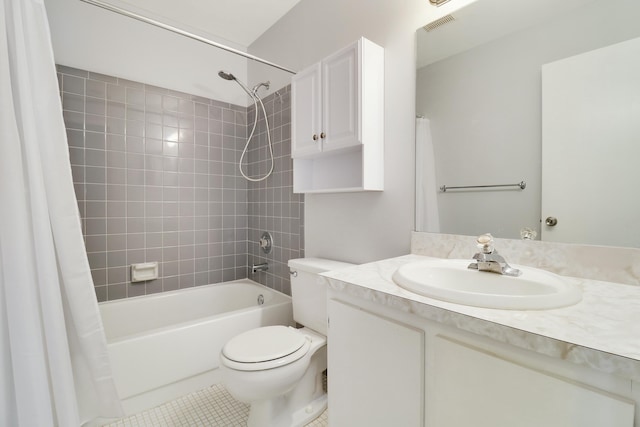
{"x": 427, "y": 216}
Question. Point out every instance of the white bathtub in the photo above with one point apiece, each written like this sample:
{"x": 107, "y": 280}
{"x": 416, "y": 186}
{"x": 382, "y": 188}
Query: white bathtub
{"x": 166, "y": 345}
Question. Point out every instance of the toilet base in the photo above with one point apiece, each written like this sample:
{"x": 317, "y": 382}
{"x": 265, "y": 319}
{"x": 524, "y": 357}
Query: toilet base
{"x": 262, "y": 411}
{"x": 305, "y": 402}
{"x": 310, "y": 412}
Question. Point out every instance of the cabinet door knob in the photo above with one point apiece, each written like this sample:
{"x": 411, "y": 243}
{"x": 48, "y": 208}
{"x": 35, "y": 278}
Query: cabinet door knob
{"x": 322, "y": 135}
{"x": 315, "y": 137}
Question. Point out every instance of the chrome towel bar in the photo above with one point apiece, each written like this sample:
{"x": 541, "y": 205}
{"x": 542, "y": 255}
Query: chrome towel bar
{"x": 521, "y": 184}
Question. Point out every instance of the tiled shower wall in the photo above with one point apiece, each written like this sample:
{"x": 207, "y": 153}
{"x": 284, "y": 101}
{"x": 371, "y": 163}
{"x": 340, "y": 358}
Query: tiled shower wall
{"x": 272, "y": 206}
{"x": 155, "y": 173}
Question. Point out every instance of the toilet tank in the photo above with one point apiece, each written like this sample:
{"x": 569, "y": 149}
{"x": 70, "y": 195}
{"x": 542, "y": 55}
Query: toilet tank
{"x": 309, "y": 292}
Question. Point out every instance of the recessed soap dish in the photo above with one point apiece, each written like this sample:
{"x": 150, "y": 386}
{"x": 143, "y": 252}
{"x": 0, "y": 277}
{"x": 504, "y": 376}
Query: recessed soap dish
{"x": 144, "y": 271}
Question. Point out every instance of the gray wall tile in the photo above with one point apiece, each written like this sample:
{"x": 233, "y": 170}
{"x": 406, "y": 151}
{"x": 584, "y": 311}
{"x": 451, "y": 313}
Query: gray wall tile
{"x": 156, "y": 177}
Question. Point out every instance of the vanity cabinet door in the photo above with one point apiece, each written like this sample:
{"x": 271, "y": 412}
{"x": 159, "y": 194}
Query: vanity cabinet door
{"x": 474, "y": 387}
{"x": 376, "y": 370}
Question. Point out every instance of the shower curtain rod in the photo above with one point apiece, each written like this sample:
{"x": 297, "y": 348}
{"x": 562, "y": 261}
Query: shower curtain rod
{"x": 184, "y": 33}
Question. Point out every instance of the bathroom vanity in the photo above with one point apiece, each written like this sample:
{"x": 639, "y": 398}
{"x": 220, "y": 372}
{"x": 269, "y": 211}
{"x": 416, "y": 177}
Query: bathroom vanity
{"x": 398, "y": 358}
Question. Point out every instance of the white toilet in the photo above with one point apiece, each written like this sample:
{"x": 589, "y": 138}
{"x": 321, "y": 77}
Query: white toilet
{"x": 278, "y": 369}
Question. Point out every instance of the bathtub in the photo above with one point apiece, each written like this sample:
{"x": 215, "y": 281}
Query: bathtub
{"x": 167, "y": 345}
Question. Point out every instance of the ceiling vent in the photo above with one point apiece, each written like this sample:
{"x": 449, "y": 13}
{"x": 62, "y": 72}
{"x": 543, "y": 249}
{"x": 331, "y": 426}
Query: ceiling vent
{"x": 439, "y": 23}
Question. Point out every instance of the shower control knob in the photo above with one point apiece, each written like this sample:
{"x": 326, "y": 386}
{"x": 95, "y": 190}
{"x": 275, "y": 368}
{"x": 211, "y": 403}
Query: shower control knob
{"x": 315, "y": 137}
{"x": 266, "y": 242}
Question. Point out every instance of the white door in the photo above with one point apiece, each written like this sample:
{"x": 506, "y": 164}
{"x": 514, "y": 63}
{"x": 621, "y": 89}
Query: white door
{"x": 306, "y": 112}
{"x": 340, "y": 99}
{"x": 591, "y": 147}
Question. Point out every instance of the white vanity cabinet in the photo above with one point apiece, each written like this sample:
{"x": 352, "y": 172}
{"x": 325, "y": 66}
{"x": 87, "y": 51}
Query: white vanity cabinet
{"x": 471, "y": 382}
{"x": 376, "y": 369}
{"x": 337, "y": 129}
{"x": 385, "y": 363}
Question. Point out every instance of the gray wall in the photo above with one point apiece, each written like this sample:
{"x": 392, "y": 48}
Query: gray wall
{"x": 156, "y": 177}
{"x": 365, "y": 226}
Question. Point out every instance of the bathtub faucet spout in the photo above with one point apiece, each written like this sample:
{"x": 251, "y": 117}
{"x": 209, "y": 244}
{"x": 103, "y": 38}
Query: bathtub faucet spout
{"x": 259, "y": 267}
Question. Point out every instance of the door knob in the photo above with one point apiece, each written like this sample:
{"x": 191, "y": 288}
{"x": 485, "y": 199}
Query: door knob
{"x": 551, "y": 221}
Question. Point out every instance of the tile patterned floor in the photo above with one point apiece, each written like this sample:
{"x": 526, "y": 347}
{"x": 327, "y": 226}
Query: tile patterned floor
{"x": 213, "y": 406}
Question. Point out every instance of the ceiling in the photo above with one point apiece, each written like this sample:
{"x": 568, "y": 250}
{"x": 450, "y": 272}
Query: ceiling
{"x": 484, "y": 21}
{"x": 239, "y": 22}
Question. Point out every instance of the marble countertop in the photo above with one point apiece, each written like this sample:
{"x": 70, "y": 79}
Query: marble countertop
{"x": 602, "y": 331}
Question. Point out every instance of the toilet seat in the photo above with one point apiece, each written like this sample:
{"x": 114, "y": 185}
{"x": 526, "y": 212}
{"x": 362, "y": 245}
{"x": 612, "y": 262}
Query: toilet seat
{"x": 265, "y": 348}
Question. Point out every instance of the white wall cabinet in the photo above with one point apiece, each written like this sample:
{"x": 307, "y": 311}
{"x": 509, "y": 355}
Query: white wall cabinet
{"x": 386, "y": 363}
{"x": 337, "y": 131}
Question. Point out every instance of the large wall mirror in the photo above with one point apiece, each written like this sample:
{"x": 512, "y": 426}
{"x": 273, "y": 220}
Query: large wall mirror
{"x": 535, "y": 91}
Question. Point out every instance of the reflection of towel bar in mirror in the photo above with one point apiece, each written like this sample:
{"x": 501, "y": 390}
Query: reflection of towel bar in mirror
{"x": 521, "y": 184}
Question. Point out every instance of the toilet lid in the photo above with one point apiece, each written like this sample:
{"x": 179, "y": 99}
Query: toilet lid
{"x": 264, "y": 344}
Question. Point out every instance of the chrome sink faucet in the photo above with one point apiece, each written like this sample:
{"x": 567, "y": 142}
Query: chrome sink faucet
{"x": 488, "y": 259}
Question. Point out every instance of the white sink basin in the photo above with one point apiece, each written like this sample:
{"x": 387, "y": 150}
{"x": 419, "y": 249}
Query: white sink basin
{"x": 451, "y": 280}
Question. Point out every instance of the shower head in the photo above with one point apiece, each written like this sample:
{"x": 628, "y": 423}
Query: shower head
{"x": 251, "y": 93}
{"x": 226, "y": 76}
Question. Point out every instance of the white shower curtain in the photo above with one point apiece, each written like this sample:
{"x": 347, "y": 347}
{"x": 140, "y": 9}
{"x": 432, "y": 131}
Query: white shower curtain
{"x": 427, "y": 216}
{"x": 54, "y": 365}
